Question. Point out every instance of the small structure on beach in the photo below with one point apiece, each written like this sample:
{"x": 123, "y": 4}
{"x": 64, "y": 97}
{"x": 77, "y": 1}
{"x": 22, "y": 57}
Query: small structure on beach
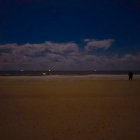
{"x": 43, "y": 73}
{"x": 21, "y": 70}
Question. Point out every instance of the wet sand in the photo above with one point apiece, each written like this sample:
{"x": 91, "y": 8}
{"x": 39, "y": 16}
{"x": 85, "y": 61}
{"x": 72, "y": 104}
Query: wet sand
{"x": 69, "y": 110}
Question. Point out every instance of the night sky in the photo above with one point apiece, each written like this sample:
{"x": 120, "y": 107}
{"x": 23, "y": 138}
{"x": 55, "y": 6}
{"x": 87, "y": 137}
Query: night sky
{"x": 70, "y": 34}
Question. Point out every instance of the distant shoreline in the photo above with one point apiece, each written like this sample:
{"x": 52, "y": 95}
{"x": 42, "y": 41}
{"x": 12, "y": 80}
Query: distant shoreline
{"x": 43, "y": 73}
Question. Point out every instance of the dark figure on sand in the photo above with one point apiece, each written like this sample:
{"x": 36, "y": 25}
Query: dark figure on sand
{"x": 130, "y": 74}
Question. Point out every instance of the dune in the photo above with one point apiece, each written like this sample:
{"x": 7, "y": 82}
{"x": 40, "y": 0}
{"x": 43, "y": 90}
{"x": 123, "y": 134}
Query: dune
{"x": 69, "y": 110}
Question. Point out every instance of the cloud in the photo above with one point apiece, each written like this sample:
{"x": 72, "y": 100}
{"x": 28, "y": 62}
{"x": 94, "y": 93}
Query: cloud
{"x": 92, "y": 44}
{"x": 62, "y": 47}
{"x": 8, "y": 46}
{"x": 30, "y": 49}
{"x": 62, "y": 56}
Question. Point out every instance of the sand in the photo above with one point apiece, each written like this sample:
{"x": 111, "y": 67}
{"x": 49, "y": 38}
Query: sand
{"x": 69, "y": 110}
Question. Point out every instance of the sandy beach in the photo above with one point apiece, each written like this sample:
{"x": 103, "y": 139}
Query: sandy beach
{"x": 83, "y": 109}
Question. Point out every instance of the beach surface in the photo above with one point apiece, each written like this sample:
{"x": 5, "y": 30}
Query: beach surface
{"x": 48, "y": 108}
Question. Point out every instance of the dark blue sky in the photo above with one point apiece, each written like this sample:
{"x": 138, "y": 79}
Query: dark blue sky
{"x": 37, "y": 21}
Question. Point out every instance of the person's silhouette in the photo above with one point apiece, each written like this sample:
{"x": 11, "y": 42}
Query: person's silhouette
{"x": 130, "y": 74}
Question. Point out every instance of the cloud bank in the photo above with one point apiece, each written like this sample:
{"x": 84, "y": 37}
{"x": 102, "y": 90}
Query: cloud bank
{"x": 64, "y": 56}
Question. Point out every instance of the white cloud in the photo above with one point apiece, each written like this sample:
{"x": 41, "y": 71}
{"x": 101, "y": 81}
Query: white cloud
{"x": 62, "y": 47}
{"x": 8, "y": 46}
{"x": 97, "y": 44}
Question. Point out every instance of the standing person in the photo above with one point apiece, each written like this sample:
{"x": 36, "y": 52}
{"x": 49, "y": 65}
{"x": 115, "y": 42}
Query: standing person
{"x": 130, "y": 74}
